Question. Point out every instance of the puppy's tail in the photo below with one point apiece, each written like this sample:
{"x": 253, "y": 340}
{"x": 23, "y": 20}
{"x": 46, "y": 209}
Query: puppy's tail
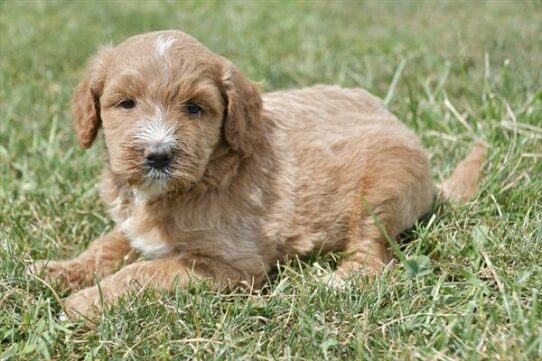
{"x": 462, "y": 184}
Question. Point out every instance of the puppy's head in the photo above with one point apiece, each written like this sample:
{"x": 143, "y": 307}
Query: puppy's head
{"x": 165, "y": 103}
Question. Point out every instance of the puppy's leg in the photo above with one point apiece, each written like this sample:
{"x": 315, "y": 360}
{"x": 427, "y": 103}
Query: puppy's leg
{"x": 104, "y": 256}
{"x": 367, "y": 254}
{"x": 156, "y": 273}
{"x": 375, "y": 222}
{"x": 164, "y": 273}
{"x": 367, "y": 249}
{"x": 395, "y": 190}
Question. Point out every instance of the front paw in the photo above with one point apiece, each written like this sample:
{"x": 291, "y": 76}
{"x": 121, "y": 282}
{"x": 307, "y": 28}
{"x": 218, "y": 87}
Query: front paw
{"x": 69, "y": 275}
{"x": 84, "y": 305}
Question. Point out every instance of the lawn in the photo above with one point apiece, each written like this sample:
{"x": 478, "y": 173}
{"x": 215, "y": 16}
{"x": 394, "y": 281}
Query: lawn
{"x": 470, "y": 287}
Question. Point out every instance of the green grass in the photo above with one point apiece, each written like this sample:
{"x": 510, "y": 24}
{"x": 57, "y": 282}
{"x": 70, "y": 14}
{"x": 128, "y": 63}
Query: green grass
{"x": 471, "y": 284}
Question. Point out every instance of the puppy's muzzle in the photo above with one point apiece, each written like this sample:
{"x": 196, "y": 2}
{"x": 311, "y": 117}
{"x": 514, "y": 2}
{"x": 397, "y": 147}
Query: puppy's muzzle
{"x": 158, "y": 158}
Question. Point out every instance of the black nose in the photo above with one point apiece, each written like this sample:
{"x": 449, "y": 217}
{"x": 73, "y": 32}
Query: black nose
{"x": 158, "y": 160}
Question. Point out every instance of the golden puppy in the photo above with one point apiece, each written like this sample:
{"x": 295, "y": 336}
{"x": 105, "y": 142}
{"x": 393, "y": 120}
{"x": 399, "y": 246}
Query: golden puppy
{"x": 210, "y": 179}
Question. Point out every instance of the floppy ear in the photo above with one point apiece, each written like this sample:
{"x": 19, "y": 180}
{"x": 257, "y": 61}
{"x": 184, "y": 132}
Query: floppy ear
{"x": 86, "y": 101}
{"x": 242, "y": 124}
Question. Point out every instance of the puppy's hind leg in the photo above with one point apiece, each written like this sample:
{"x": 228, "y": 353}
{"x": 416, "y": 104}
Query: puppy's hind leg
{"x": 376, "y": 221}
{"x": 367, "y": 249}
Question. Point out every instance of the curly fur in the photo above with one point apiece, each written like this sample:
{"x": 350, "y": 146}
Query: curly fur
{"x": 253, "y": 179}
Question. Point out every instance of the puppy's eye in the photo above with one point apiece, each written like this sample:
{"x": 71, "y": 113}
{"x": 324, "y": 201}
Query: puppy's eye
{"x": 193, "y": 108}
{"x": 127, "y": 104}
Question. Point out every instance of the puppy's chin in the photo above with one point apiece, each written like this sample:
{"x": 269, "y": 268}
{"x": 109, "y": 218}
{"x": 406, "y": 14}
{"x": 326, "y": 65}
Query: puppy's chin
{"x": 150, "y": 191}
{"x": 156, "y": 181}
{"x": 154, "y": 184}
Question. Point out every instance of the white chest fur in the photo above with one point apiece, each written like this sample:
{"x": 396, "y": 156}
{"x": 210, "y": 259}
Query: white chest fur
{"x": 150, "y": 243}
{"x": 206, "y": 228}
{"x": 143, "y": 236}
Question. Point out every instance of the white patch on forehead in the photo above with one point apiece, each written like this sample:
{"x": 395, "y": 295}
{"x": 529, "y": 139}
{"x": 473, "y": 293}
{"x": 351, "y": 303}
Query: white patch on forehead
{"x": 162, "y": 45}
{"x": 156, "y": 131}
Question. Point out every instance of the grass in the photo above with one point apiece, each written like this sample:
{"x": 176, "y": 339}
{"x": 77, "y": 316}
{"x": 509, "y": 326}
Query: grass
{"x": 470, "y": 285}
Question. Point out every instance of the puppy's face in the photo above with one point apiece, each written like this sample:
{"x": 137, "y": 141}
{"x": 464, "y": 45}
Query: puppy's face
{"x": 165, "y": 104}
{"x": 161, "y": 111}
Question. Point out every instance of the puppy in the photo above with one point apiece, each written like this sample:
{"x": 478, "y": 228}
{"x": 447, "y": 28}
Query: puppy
{"x": 210, "y": 179}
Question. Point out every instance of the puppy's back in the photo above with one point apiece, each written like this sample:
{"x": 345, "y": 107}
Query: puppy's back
{"x": 322, "y": 104}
